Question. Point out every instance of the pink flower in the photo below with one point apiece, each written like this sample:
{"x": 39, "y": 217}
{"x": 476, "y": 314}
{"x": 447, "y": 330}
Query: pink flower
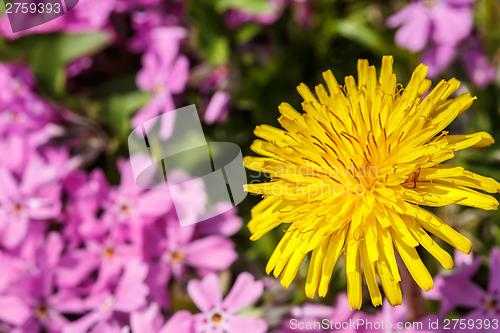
{"x": 303, "y": 12}
{"x": 35, "y": 196}
{"x": 145, "y": 22}
{"x": 212, "y": 78}
{"x": 175, "y": 10}
{"x": 150, "y": 320}
{"x": 16, "y": 81}
{"x": 36, "y": 306}
{"x": 475, "y": 61}
{"x": 463, "y": 292}
{"x": 440, "y": 21}
{"x": 477, "y": 64}
{"x": 217, "y": 108}
{"x": 191, "y": 200}
{"x": 30, "y": 301}
{"x": 466, "y": 266}
{"x": 87, "y": 198}
{"x": 77, "y": 66}
{"x": 88, "y": 15}
{"x": 218, "y": 315}
{"x": 108, "y": 305}
{"x": 164, "y": 73}
{"x": 108, "y": 257}
{"x": 36, "y": 253}
{"x": 130, "y": 207}
{"x": 438, "y": 58}
{"x": 17, "y": 150}
{"x": 225, "y": 221}
{"x": 26, "y": 115}
{"x": 172, "y": 254}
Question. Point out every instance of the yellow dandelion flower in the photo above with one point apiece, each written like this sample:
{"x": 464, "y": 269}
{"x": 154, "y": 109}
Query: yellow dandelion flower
{"x": 349, "y": 176}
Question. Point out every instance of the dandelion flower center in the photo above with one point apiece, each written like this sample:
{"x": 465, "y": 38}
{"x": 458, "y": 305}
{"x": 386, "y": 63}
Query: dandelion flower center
{"x": 350, "y": 174}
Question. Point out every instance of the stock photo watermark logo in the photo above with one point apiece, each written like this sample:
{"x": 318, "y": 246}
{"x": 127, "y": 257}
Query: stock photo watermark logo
{"x": 26, "y": 14}
{"x": 173, "y": 143}
{"x": 170, "y": 152}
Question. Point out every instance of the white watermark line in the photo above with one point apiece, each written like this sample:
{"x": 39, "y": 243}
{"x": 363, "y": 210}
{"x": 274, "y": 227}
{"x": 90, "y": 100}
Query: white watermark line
{"x": 354, "y": 324}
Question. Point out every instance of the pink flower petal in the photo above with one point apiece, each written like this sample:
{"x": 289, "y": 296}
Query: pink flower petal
{"x": 312, "y": 311}
{"x": 245, "y": 291}
{"x": 217, "y": 108}
{"x": 451, "y": 24}
{"x": 67, "y": 302}
{"x": 56, "y": 322}
{"x": 15, "y": 232}
{"x": 402, "y": 16}
{"x": 131, "y": 291}
{"x": 145, "y": 79}
{"x": 470, "y": 269}
{"x": 146, "y": 321}
{"x": 477, "y": 64}
{"x": 224, "y": 221}
{"x": 13, "y": 310}
{"x": 342, "y": 309}
{"x": 53, "y": 248}
{"x": 212, "y": 253}
{"x": 178, "y": 236}
{"x": 9, "y": 185}
{"x": 180, "y": 322}
{"x": 460, "y": 2}
{"x": 158, "y": 277}
{"x": 165, "y": 43}
{"x": 154, "y": 203}
{"x": 37, "y": 174}
{"x": 148, "y": 111}
{"x": 414, "y": 33}
{"x": 494, "y": 284}
{"x": 178, "y": 76}
{"x": 206, "y": 294}
{"x": 438, "y": 58}
{"x": 127, "y": 186}
{"x": 168, "y": 117}
{"x": 464, "y": 293}
{"x": 83, "y": 324}
{"x": 239, "y": 324}
{"x": 75, "y": 267}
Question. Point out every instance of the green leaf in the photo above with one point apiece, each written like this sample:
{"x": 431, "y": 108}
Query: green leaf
{"x": 216, "y": 50}
{"x": 254, "y": 6}
{"x": 120, "y": 107}
{"x": 49, "y": 54}
{"x": 72, "y": 47}
{"x": 211, "y": 35}
{"x": 247, "y": 32}
{"x": 361, "y": 33}
{"x": 118, "y": 85}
